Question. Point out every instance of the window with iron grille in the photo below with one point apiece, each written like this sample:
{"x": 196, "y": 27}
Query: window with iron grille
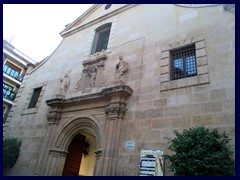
{"x": 101, "y": 38}
{"x": 183, "y": 63}
{"x": 34, "y": 99}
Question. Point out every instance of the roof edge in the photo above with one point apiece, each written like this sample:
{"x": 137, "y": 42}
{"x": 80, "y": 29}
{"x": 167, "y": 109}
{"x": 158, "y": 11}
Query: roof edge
{"x": 87, "y": 24}
{"x": 82, "y": 17}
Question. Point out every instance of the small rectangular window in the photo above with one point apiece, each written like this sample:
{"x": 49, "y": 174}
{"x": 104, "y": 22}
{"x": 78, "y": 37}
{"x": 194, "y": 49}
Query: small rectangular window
{"x": 183, "y": 63}
{"x": 101, "y": 38}
{"x": 34, "y": 99}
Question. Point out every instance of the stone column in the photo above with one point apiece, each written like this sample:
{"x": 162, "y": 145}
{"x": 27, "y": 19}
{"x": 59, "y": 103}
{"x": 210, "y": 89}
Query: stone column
{"x": 115, "y": 113}
{"x": 98, "y": 162}
{"x": 56, "y": 162}
{"x": 53, "y": 119}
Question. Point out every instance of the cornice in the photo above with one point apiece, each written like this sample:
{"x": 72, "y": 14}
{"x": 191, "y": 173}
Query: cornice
{"x": 119, "y": 90}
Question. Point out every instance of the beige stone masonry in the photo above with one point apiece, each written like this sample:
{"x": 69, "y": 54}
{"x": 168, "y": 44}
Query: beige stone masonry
{"x": 200, "y": 44}
{"x": 164, "y": 62}
{"x": 202, "y": 79}
{"x": 197, "y": 38}
{"x": 174, "y": 45}
{"x": 218, "y": 94}
{"x": 164, "y": 69}
{"x": 165, "y": 77}
{"x": 202, "y": 70}
{"x": 200, "y": 53}
{"x": 193, "y": 81}
{"x": 201, "y": 61}
{"x": 165, "y": 54}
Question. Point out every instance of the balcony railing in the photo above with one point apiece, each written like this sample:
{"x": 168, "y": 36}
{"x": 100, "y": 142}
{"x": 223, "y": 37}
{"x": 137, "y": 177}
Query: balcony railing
{"x": 13, "y": 73}
{"x": 9, "y": 95}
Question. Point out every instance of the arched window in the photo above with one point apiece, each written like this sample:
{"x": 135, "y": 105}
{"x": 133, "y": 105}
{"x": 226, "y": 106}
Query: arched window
{"x": 101, "y": 38}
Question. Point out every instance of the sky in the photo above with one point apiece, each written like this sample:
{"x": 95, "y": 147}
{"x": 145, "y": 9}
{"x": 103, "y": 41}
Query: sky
{"x": 34, "y": 28}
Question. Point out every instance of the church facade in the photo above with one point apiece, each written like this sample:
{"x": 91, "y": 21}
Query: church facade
{"x": 124, "y": 77}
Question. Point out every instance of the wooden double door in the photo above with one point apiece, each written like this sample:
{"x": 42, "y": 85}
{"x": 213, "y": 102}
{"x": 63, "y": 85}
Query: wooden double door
{"x": 74, "y": 157}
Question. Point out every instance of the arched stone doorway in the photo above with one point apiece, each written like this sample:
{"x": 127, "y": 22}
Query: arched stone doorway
{"x": 99, "y": 113}
{"x": 80, "y": 160}
{"x": 62, "y": 137}
{"x": 90, "y": 129}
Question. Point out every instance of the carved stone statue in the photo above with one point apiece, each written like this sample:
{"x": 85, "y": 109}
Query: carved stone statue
{"x": 92, "y": 72}
{"x": 64, "y": 85}
{"x": 121, "y": 68}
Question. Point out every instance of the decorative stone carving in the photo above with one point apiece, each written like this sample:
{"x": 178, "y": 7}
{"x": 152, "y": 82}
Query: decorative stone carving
{"x": 82, "y": 83}
{"x": 65, "y": 82}
{"x": 98, "y": 153}
{"x": 53, "y": 118}
{"x": 121, "y": 68}
{"x": 101, "y": 78}
{"x": 116, "y": 110}
{"x": 93, "y": 73}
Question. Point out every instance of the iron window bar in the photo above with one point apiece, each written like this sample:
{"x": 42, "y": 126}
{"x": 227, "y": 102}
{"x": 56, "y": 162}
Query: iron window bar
{"x": 183, "y": 63}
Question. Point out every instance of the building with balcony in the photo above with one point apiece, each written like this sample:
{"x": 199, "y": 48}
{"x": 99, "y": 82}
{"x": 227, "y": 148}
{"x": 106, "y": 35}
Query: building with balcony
{"x": 15, "y": 65}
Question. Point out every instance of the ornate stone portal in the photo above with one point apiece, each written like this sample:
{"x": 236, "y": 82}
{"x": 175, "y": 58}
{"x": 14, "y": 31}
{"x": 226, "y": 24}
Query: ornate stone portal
{"x": 111, "y": 102}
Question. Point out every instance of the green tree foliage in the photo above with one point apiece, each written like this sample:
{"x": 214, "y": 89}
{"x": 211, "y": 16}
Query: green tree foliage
{"x": 11, "y": 149}
{"x": 201, "y": 152}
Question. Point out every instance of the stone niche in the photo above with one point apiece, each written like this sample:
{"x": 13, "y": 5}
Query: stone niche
{"x": 93, "y": 73}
